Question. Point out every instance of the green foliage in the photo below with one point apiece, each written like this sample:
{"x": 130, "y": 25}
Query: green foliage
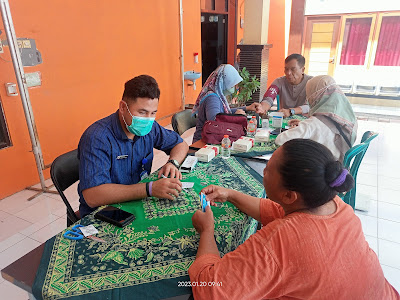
{"x": 246, "y": 87}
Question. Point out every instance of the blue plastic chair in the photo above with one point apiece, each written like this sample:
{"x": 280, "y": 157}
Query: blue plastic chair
{"x": 352, "y": 161}
{"x": 278, "y": 106}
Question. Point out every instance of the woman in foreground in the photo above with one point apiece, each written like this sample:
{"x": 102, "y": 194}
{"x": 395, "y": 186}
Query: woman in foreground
{"x": 311, "y": 245}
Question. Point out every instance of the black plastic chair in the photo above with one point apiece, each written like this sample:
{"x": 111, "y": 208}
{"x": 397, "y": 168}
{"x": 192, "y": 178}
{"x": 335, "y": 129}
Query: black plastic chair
{"x": 64, "y": 172}
{"x": 183, "y": 120}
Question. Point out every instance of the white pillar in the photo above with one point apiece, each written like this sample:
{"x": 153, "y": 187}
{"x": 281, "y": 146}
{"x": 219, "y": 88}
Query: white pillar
{"x": 256, "y": 18}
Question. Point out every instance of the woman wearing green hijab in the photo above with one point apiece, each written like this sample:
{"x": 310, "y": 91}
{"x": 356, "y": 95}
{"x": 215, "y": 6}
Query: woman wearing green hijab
{"x": 332, "y": 121}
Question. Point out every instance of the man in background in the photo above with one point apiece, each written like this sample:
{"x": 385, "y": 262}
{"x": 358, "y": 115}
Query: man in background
{"x": 291, "y": 88}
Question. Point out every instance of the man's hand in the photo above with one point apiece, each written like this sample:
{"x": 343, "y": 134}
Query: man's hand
{"x": 293, "y": 123}
{"x": 171, "y": 170}
{"x": 167, "y": 188}
{"x": 216, "y": 193}
{"x": 286, "y": 112}
{"x": 240, "y": 112}
{"x": 203, "y": 221}
{"x": 256, "y": 107}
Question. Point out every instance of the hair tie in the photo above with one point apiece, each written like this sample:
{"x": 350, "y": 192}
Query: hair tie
{"x": 340, "y": 179}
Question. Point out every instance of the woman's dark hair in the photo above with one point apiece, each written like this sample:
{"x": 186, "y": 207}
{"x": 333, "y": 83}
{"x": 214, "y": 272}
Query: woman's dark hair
{"x": 143, "y": 86}
{"x": 309, "y": 168}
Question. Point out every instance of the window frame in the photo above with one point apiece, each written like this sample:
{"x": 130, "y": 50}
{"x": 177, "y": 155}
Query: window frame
{"x": 370, "y": 37}
{"x": 377, "y": 31}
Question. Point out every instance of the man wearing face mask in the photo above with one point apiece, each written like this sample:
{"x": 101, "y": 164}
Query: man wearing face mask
{"x": 212, "y": 98}
{"x": 291, "y": 88}
{"x": 116, "y": 152}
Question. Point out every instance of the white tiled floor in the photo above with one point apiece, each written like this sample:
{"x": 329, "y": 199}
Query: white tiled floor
{"x": 382, "y": 110}
{"x": 25, "y": 225}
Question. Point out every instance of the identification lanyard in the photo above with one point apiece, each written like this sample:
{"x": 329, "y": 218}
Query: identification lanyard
{"x": 144, "y": 173}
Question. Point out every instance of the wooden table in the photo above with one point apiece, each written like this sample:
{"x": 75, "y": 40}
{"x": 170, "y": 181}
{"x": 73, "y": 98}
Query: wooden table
{"x": 197, "y": 145}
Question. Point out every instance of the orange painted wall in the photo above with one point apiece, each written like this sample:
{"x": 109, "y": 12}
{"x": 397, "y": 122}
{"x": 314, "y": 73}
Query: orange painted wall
{"x": 276, "y": 36}
{"x": 191, "y": 45}
{"x": 89, "y": 49}
{"x": 240, "y": 15}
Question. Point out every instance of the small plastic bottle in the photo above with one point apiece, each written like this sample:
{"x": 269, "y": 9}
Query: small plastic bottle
{"x": 226, "y": 147}
{"x": 255, "y": 120}
{"x": 251, "y": 128}
{"x": 265, "y": 123}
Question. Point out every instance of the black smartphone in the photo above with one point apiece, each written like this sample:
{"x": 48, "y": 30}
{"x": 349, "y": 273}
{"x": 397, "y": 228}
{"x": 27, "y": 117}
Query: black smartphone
{"x": 115, "y": 216}
{"x": 277, "y": 131}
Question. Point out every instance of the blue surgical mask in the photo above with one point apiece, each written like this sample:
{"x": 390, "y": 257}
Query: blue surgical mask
{"x": 229, "y": 91}
{"x": 140, "y": 126}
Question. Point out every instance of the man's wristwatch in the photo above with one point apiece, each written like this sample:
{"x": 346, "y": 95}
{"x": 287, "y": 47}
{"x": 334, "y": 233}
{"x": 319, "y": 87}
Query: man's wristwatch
{"x": 174, "y": 162}
{"x": 292, "y": 112}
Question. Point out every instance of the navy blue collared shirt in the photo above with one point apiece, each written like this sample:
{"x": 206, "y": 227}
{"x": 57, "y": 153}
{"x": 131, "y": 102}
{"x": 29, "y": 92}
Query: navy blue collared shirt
{"x": 107, "y": 155}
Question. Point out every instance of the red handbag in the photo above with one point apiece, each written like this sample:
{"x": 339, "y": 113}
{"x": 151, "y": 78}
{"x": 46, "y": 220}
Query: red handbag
{"x": 213, "y": 131}
{"x": 232, "y": 118}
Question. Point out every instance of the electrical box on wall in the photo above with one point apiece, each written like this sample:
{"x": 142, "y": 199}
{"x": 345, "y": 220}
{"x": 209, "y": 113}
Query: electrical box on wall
{"x": 11, "y": 89}
{"x": 30, "y": 56}
{"x": 33, "y": 79}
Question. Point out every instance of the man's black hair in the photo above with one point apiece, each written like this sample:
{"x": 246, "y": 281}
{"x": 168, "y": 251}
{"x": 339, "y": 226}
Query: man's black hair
{"x": 143, "y": 86}
{"x": 300, "y": 59}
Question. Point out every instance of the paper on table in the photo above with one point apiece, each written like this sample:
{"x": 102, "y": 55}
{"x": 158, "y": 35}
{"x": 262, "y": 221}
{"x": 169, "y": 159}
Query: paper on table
{"x": 187, "y": 185}
{"x": 265, "y": 156}
{"x": 88, "y": 230}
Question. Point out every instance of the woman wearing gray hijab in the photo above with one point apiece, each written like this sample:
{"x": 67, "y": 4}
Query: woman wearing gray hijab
{"x": 332, "y": 121}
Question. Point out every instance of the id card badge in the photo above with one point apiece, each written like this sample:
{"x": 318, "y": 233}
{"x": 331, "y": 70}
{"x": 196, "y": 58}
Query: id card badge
{"x": 143, "y": 175}
{"x": 203, "y": 201}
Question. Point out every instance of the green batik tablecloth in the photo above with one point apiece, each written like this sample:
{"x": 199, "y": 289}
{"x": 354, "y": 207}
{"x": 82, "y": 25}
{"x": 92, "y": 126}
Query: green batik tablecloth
{"x": 148, "y": 258}
{"x": 268, "y": 147}
{"x": 257, "y": 150}
{"x": 286, "y": 120}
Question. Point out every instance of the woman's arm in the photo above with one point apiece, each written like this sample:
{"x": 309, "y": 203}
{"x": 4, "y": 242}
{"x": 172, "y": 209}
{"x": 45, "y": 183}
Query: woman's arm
{"x": 247, "y": 204}
{"x": 302, "y": 131}
{"x": 213, "y": 106}
{"x": 249, "y": 272}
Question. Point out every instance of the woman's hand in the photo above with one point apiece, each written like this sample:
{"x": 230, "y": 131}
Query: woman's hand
{"x": 256, "y": 107}
{"x": 293, "y": 123}
{"x": 203, "y": 221}
{"x": 240, "y": 112}
{"x": 216, "y": 193}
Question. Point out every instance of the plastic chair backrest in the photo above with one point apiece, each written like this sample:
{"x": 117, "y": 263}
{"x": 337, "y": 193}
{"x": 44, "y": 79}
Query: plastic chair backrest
{"x": 64, "y": 172}
{"x": 182, "y": 121}
{"x": 352, "y": 161}
{"x": 278, "y": 105}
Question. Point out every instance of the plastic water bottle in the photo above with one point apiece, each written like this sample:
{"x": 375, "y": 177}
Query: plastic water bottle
{"x": 251, "y": 128}
{"x": 256, "y": 119}
{"x": 226, "y": 147}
